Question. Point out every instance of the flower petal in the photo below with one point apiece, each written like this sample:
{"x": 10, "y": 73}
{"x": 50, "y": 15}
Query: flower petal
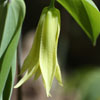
{"x": 37, "y": 74}
{"x": 47, "y": 48}
{"x": 33, "y": 55}
{"x": 26, "y": 76}
{"x": 58, "y": 72}
{"x": 58, "y": 75}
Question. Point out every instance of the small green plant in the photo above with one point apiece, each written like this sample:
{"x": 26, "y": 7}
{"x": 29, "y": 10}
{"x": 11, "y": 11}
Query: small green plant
{"x": 12, "y": 13}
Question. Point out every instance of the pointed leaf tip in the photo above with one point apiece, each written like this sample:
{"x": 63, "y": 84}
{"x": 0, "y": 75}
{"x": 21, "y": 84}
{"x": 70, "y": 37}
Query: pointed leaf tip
{"x": 89, "y": 19}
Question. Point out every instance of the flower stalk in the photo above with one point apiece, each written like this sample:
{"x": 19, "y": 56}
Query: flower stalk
{"x": 52, "y": 3}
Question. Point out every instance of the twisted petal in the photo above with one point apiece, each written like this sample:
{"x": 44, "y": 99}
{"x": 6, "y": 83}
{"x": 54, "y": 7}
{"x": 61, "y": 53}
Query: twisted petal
{"x": 31, "y": 62}
{"x": 27, "y": 76}
{"x": 58, "y": 72}
{"x": 33, "y": 55}
{"x": 58, "y": 75}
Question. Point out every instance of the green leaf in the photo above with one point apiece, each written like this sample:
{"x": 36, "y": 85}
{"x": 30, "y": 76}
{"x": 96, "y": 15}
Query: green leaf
{"x": 86, "y": 15}
{"x": 10, "y": 14}
{"x": 10, "y": 81}
{"x": 7, "y": 58}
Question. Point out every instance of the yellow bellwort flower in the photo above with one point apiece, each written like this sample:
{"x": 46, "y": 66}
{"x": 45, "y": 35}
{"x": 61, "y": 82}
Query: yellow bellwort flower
{"x": 42, "y": 58}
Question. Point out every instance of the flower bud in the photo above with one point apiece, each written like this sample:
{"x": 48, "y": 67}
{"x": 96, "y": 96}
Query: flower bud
{"x": 42, "y": 58}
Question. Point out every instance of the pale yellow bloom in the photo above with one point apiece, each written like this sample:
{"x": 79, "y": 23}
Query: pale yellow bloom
{"x": 42, "y": 58}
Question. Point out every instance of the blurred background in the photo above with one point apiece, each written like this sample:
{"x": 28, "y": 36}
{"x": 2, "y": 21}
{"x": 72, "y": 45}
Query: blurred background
{"x": 78, "y": 58}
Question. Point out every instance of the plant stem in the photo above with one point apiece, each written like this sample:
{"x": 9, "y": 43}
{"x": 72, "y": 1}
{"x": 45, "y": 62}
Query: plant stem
{"x": 19, "y": 52}
{"x": 52, "y": 3}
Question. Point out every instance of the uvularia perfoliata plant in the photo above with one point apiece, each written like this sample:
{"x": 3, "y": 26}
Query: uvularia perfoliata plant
{"x": 42, "y": 58}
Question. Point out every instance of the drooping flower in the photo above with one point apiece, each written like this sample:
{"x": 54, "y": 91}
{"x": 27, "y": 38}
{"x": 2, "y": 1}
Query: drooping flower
{"x": 42, "y": 58}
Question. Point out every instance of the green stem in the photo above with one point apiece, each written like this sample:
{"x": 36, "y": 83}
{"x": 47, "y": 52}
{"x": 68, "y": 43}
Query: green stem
{"x": 52, "y": 3}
